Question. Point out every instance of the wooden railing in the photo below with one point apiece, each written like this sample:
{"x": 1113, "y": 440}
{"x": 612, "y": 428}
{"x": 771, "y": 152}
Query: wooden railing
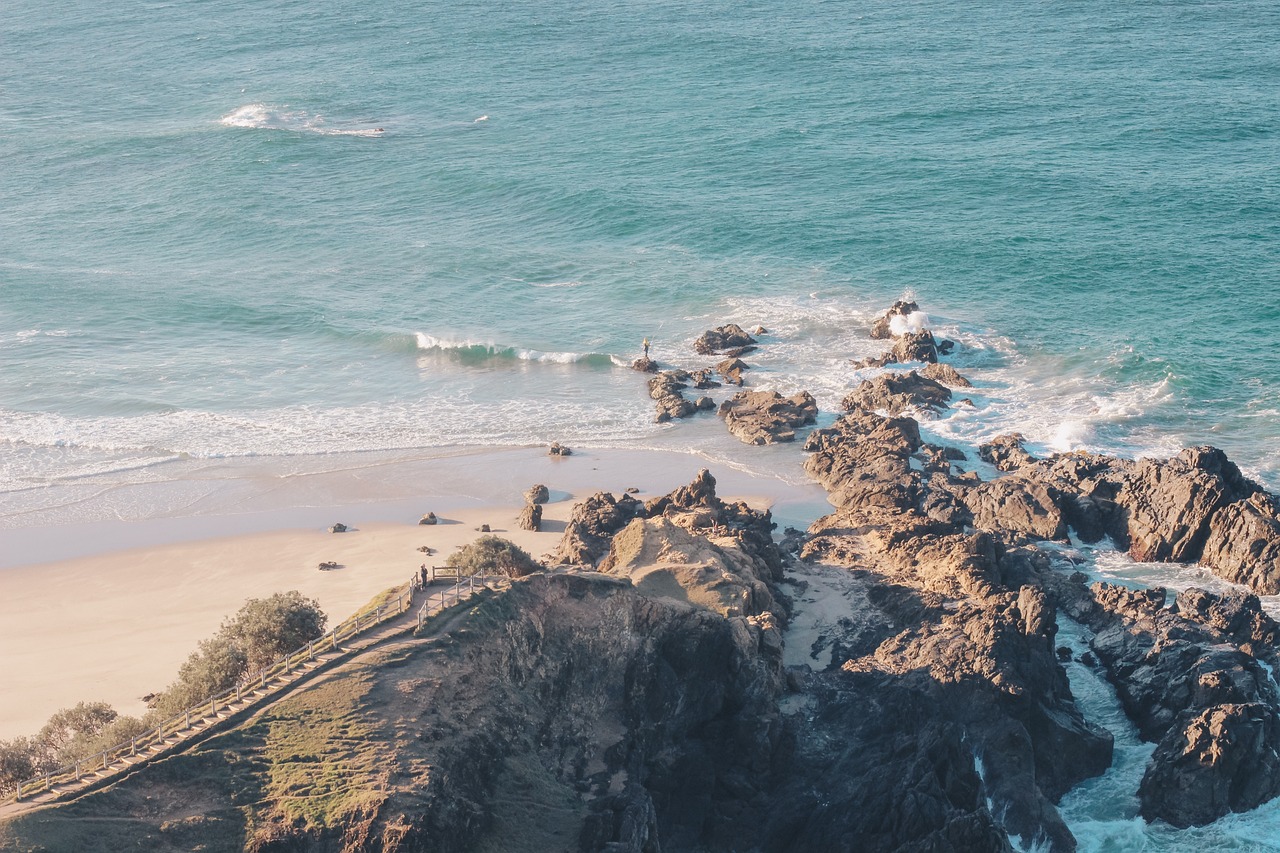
{"x": 256, "y": 686}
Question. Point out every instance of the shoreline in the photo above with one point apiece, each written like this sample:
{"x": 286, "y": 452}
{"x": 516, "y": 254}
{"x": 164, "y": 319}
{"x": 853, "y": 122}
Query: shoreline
{"x": 108, "y": 610}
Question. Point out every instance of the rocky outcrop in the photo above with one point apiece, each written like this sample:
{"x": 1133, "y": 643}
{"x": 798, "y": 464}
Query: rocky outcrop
{"x": 915, "y": 346}
{"x": 1191, "y": 680}
{"x": 946, "y": 374}
{"x": 895, "y": 393}
{"x": 558, "y": 449}
{"x": 1194, "y": 507}
{"x": 731, "y": 370}
{"x": 959, "y": 615}
{"x": 765, "y": 417}
{"x": 882, "y": 328}
{"x": 666, "y": 560}
{"x": 537, "y": 494}
{"x": 530, "y": 518}
{"x": 644, "y": 364}
{"x": 696, "y": 508}
{"x": 729, "y": 337}
{"x": 592, "y": 525}
{"x": 667, "y": 389}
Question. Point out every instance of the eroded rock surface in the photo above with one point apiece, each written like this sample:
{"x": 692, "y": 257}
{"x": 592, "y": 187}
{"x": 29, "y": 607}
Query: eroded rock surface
{"x": 1190, "y": 677}
{"x": 765, "y": 417}
{"x": 728, "y": 337}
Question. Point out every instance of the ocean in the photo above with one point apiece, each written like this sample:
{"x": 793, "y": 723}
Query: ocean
{"x": 297, "y": 234}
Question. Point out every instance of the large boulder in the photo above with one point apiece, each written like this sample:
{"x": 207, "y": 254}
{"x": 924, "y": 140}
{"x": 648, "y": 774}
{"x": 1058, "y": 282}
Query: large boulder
{"x": 895, "y": 393}
{"x": 731, "y": 336}
{"x": 765, "y": 417}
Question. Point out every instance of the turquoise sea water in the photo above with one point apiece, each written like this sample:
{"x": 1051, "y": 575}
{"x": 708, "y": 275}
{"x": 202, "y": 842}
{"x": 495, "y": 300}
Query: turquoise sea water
{"x": 274, "y": 229}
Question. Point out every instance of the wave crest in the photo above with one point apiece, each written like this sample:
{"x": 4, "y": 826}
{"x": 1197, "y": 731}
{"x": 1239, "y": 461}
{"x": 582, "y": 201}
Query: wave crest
{"x": 479, "y": 351}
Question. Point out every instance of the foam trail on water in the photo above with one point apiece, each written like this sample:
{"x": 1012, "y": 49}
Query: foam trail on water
{"x": 266, "y": 117}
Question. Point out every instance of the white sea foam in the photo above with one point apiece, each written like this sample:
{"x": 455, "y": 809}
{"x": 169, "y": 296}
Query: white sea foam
{"x": 909, "y": 324}
{"x": 484, "y": 348}
{"x": 266, "y": 117}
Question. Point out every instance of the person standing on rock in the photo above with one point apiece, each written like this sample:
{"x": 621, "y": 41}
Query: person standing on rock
{"x": 645, "y": 344}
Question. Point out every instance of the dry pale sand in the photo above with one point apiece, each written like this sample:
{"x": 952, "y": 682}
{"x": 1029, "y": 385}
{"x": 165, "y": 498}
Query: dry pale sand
{"x": 116, "y": 626}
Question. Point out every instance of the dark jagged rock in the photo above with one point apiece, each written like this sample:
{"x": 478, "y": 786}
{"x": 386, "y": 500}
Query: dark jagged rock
{"x": 592, "y": 525}
{"x": 1194, "y": 507}
{"x": 1243, "y": 544}
{"x": 731, "y": 370}
{"x": 558, "y": 449}
{"x": 895, "y": 393}
{"x": 765, "y": 417}
{"x": 702, "y": 379}
{"x": 946, "y": 374}
{"x": 881, "y": 329}
{"x": 644, "y": 364}
{"x": 865, "y": 460}
{"x": 1224, "y": 759}
{"x": 1016, "y": 505}
{"x": 1189, "y": 679}
{"x": 915, "y": 346}
{"x": 537, "y": 494}
{"x": 429, "y": 518}
{"x": 723, "y": 338}
{"x": 667, "y": 389}
{"x": 338, "y": 528}
{"x": 530, "y": 517}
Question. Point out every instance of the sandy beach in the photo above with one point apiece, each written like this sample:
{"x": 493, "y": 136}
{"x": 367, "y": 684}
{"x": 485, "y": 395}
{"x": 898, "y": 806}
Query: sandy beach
{"x": 107, "y": 610}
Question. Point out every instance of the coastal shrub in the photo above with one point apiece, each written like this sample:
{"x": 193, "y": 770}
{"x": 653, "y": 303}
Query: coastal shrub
{"x": 55, "y": 744}
{"x": 262, "y": 632}
{"x": 268, "y": 628}
{"x": 493, "y": 555}
{"x": 70, "y": 735}
{"x": 17, "y": 763}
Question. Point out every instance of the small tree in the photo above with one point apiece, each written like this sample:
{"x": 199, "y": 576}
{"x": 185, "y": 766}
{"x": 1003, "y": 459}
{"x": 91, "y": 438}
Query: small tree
{"x": 18, "y": 762}
{"x": 84, "y": 721}
{"x": 268, "y": 628}
{"x": 262, "y": 632}
{"x": 493, "y": 555}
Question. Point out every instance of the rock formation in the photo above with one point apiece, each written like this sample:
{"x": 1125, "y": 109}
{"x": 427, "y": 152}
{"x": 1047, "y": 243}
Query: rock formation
{"x": 729, "y": 337}
{"x": 765, "y": 417}
{"x": 1195, "y": 680}
{"x": 1194, "y": 507}
{"x": 530, "y": 518}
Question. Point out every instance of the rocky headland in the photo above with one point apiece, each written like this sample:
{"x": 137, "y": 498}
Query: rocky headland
{"x": 681, "y": 678}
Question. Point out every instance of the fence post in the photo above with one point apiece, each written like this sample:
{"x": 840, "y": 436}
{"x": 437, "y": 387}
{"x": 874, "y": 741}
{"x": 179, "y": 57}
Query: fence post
{"x": 77, "y": 774}
{"x": 133, "y": 746}
{"x": 46, "y": 781}
{"x": 264, "y": 679}
{"x": 188, "y": 719}
{"x": 104, "y": 759}
{"x": 286, "y": 664}
{"x": 239, "y": 698}
{"x": 213, "y": 706}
